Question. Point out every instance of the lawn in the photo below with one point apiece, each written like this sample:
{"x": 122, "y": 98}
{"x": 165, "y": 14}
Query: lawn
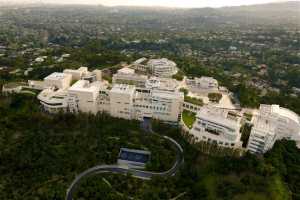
{"x": 188, "y": 118}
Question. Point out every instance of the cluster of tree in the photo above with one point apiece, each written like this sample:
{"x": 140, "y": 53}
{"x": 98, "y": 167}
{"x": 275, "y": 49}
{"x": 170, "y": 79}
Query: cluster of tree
{"x": 178, "y": 76}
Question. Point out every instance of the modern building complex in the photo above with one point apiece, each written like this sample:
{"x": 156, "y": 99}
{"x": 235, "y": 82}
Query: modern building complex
{"x": 153, "y": 94}
{"x": 272, "y": 123}
{"x": 127, "y": 100}
{"x": 218, "y": 126}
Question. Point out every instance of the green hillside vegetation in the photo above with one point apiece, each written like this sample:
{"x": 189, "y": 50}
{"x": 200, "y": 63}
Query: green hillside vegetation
{"x": 41, "y": 154}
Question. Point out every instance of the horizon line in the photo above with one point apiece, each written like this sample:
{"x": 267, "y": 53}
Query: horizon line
{"x": 40, "y": 2}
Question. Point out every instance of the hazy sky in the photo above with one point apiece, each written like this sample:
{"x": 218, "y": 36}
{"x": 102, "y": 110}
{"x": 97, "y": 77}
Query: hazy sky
{"x": 169, "y": 3}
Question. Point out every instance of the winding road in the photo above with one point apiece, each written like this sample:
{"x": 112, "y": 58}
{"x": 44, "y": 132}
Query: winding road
{"x": 145, "y": 175}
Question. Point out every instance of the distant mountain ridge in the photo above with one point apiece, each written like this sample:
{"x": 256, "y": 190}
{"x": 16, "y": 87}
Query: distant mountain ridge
{"x": 272, "y": 5}
{"x": 273, "y": 14}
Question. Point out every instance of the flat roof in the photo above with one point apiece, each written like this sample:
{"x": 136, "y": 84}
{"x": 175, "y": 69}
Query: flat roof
{"x": 167, "y": 94}
{"x": 219, "y": 116}
{"x": 85, "y": 86}
{"x": 57, "y": 76}
{"x": 266, "y": 110}
{"x": 80, "y": 69}
{"x": 133, "y": 155}
{"x": 126, "y": 70}
{"x": 123, "y": 88}
{"x": 139, "y": 61}
{"x": 14, "y": 84}
{"x": 263, "y": 125}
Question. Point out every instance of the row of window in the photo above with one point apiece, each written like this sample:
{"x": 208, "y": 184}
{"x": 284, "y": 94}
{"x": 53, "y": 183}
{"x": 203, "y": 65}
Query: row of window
{"x": 213, "y": 124}
{"x": 161, "y": 113}
{"x": 210, "y": 130}
{"x": 217, "y": 142}
{"x": 123, "y": 112}
{"x": 151, "y": 107}
{"x": 126, "y": 103}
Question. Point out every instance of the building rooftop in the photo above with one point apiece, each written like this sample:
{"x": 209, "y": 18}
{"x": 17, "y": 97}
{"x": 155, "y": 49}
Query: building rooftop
{"x": 161, "y": 62}
{"x": 57, "y": 76}
{"x": 130, "y": 75}
{"x": 264, "y": 125}
{"x": 123, "y": 88}
{"x": 266, "y": 110}
{"x": 224, "y": 117}
{"x": 207, "y": 79}
{"x": 203, "y": 79}
{"x": 140, "y": 61}
{"x": 52, "y": 96}
{"x": 14, "y": 85}
{"x": 167, "y": 94}
{"x": 134, "y": 155}
{"x": 162, "y": 83}
{"x": 86, "y": 86}
{"x": 126, "y": 70}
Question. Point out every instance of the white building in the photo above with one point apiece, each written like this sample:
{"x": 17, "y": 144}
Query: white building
{"x": 128, "y": 76}
{"x": 158, "y": 104}
{"x": 121, "y": 101}
{"x": 38, "y": 85}
{"x": 58, "y": 80}
{"x": 272, "y": 123}
{"x": 166, "y": 84}
{"x": 218, "y": 126}
{"x": 162, "y": 67}
{"x": 140, "y": 61}
{"x": 13, "y": 87}
{"x": 203, "y": 84}
{"x": 77, "y": 74}
{"x": 140, "y": 65}
{"x": 84, "y": 74}
{"x": 83, "y": 96}
{"x": 54, "y": 100}
{"x": 160, "y": 100}
{"x": 166, "y": 105}
{"x": 129, "y": 102}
